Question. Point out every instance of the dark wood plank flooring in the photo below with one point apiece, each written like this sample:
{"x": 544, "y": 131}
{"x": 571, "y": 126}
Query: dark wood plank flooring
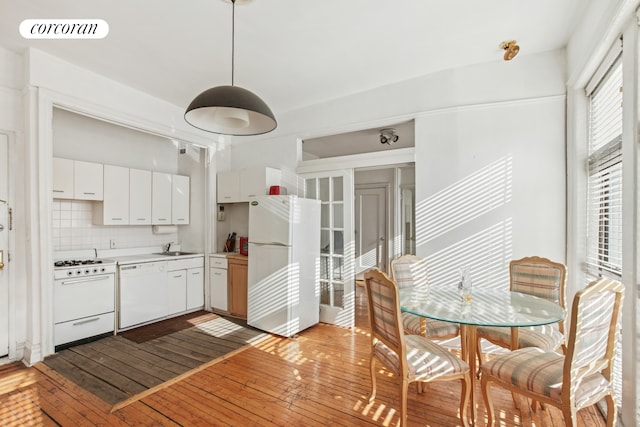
{"x": 117, "y": 369}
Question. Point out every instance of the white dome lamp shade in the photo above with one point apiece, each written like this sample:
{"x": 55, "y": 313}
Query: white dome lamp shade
{"x": 230, "y": 110}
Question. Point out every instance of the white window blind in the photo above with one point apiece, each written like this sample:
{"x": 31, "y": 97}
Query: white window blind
{"x": 604, "y": 234}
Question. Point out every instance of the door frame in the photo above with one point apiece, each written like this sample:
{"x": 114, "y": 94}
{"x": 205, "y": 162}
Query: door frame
{"x": 388, "y": 218}
{"x": 11, "y": 291}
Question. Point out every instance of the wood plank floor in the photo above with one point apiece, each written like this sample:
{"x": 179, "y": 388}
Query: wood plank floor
{"x": 116, "y": 369}
{"x": 319, "y": 378}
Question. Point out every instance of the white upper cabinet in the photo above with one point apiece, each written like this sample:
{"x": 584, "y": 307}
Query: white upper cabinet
{"x": 139, "y": 197}
{"x": 161, "y": 198}
{"x": 228, "y": 187}
{"x": 180, "y": 199}
{"x": 114, "y": 210}
{"x": 62, "y": 178}
{"x": 87, "y": 180}
{"x": 239, "y": 186}
{"x": 127, "y": 196}
{"x": 256, "y": 182}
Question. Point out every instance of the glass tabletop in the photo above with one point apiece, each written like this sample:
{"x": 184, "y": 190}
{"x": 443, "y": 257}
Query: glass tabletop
{"x": 486, "y": 307}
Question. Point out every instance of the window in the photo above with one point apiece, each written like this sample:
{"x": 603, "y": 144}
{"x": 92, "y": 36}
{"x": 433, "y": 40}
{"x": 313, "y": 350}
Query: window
{"x": 604, "y": 198}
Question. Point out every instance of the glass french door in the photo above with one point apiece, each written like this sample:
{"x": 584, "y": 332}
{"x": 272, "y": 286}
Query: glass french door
{"x": 334, "y": 189}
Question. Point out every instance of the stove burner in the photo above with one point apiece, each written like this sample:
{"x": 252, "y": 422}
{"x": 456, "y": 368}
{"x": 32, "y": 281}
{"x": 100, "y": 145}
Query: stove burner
{"x": 73, "y": 263}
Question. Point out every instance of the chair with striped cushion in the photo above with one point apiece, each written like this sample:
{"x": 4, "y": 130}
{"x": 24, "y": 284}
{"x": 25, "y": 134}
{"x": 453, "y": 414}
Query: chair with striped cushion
{"x": 410, "y": 357}
{"x": 539, "y": 277}
{"x": 410, "y": 270}
{"x": 582, "y": 377}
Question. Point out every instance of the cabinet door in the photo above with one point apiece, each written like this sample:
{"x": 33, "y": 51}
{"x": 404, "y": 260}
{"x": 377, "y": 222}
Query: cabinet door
{"x": 87, "y": 180}
{"x": 219, "y": 295}
{"x": 228, "y": 187}
{"x": 139, "y": 197}
{"x": 62, "y": 178}
{"x": 115, "y": 208}
{"x": 177, "y": 291}
{"x": 161, "y": 199}
{"x": 195, "y": 288}
{"x": 238, "y": 288}
{"x": 252, "y": 183}
{"x": 180, "y": 199}
{"x": 256, "y": 182}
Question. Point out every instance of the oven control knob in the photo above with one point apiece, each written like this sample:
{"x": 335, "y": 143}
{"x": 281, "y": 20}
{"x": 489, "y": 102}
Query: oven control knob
{"x": 87, "y": 271}
{"x": 95, "y": 270}
{"x": 69, "y": 273}
{"x": 102, "y": 269}
{"x": 79, "y": 272}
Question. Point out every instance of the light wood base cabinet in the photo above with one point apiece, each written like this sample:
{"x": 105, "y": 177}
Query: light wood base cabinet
{"x": 237, "y": 270}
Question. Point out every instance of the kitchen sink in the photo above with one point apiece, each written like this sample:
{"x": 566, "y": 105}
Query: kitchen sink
{"x": 175, "y": 253}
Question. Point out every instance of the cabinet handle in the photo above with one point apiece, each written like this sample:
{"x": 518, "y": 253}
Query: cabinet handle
{"x": 180, "y": 219}
{"x": 217, "y": 274}
{"x": 58, "y": 191}
{"x": 92, "y": 194}
{"x": 141, "y": 219}
{"x": 178, "y": 276}
{"x": 82, "y": 322}
{"x": 162, "y": 219}
{"x": 116, "y": 219}
{"x": 195, "y": 273}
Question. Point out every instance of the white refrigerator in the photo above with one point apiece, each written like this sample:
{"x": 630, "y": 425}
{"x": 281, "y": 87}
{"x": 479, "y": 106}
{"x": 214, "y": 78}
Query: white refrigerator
{"x": 284, "y": 264}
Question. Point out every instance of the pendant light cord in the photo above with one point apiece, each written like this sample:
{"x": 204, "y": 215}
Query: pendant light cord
{"x": 233, "y": 38}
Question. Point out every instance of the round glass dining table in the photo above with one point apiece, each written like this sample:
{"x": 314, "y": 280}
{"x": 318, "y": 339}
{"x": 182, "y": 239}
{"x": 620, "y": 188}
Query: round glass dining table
{"x": 485, "y": 307}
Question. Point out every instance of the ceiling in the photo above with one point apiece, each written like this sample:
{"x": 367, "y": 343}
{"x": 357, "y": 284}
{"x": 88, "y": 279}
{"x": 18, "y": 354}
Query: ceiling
{"x": 294, "y": 53}
{"x": 291, "y": 53}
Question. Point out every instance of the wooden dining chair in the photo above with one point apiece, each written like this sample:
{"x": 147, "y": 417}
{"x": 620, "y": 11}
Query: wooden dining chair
{"x": 539, "y": 277}
{"x": 411, "y": 357}
{"x": 411, "y": 270}
{"x": 578, "y": 379}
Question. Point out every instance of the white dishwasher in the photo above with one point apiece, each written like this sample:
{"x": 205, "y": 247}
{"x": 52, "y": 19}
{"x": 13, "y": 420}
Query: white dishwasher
{"x": 143, "y": 290}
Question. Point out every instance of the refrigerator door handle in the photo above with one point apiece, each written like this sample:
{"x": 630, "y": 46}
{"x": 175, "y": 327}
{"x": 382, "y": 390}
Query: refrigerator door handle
{"x": 269, "y": 244}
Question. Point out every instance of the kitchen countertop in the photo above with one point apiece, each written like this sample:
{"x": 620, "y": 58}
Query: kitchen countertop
{"x": 235, "y": 255}
{"x": 135, "y": 259}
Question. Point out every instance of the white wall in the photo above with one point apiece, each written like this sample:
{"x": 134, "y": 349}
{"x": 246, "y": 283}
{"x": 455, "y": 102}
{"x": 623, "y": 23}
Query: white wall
{"x": 501, "y": 117}
{"x": 490, "y": 187}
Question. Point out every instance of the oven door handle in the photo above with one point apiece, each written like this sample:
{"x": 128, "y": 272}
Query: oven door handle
{"x": 85, "y": 279}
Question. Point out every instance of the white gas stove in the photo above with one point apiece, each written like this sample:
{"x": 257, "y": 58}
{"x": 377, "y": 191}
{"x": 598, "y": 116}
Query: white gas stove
{"x": 84, "y": 299}
{"x": 82, "y": 268}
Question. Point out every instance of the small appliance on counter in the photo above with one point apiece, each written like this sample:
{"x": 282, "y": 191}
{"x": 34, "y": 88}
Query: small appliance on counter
{"x": 244, "y": 246}
{"x": 277, "y": 190}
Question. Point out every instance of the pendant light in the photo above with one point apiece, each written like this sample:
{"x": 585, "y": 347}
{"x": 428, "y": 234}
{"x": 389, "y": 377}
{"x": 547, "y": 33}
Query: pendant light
{"x": 230, "y": 110}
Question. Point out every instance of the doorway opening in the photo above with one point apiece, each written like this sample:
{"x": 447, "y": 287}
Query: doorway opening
{"x": 384, "y": 216}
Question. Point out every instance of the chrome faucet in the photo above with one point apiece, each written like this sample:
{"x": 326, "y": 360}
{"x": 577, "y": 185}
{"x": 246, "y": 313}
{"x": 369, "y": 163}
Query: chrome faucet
{"x": 167, "y": 247}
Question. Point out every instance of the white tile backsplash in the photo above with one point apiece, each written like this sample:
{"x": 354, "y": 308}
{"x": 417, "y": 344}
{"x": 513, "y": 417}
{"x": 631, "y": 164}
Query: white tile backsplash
{"x": 73, "y": 229}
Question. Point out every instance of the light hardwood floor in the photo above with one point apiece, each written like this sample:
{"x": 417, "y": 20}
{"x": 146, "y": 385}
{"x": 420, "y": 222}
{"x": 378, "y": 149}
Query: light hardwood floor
{"x": 319, "y": 378}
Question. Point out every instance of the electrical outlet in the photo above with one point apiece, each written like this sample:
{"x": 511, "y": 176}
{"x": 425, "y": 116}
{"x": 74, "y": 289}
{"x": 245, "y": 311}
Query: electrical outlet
{"x": 112, "y": 244}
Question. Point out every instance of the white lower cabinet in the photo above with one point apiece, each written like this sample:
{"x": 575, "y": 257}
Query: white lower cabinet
{"x": 177, "y": 291}
{"x": 186, "y": 284}
{"x": 218, "y": 283}
{"x": 195, "y": 288}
